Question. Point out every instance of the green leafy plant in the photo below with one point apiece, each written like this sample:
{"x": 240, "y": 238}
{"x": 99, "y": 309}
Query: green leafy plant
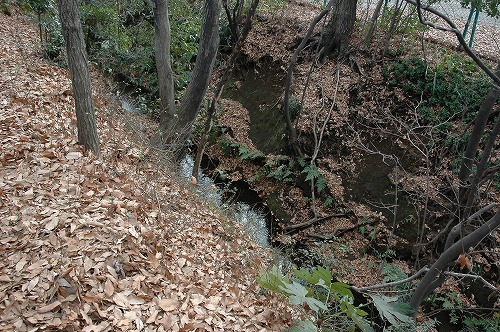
{"x": 281, "y": 168}
{"x": 366, "y": 229}
{"x": 241, "y": 151}
{"x": 282, "y": 173}
{"x": 294, "y": 107}
{"x": 329, "y": 201}
{"x": 392, "y": 272}
{"x": 486, "y": 325}
{"x": 312, "y": 173}
{"x": 393, "y": 310}
{"x": 450, "y": 301}
{"x": 325, "y": 305}
{"x": 451, "y": 87}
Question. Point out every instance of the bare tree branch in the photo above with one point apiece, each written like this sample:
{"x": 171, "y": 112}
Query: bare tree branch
{"x": 435, "y": 277}
{"x": 453, "y": 28}
{"x": 292, "y": 131}
{"x": 392, "y": 284}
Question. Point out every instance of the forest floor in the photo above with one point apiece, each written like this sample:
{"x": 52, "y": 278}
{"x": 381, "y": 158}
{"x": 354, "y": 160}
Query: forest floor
{"x": 366, "y": 112}
{"x": 120, "y": 242}
{"x": 115, "y": 243}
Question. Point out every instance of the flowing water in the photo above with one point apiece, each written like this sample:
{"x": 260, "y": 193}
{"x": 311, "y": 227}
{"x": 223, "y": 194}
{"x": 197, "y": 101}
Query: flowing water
{"x": 246, "y": 208}
{"x": 253, "y": 220}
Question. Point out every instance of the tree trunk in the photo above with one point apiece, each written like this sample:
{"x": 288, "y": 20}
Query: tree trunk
{"x": 80, "y": 78}
{"x": 164, "y": 68}
{"x": 373, "y": 23}
{"x": 434, "y": 277}
{"x": 477, "y": 133}
{"x": 235, "y": 52}
{"x": 207, "y": 51}
{"x": 339, "y": 28}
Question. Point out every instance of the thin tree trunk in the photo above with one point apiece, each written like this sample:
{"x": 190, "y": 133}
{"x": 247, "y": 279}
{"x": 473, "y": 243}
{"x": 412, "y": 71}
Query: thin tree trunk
{"x": 164, "y": 69}
{"x": 477, "y": 133}
{"x": 373, "y": 23}
{"x": 481, "y": 167}
{"x": 395, "y": 20}
{"x": 80, "y": 78}
{"x": 39, "y": 16}
{"x": 220, "y": 85}
{"x": 207, "y": 51}
{"x": 435, "y": 278}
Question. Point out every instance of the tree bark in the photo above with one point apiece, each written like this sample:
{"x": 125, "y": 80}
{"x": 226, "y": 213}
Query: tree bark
{"x": 373, "y": 23}
{"x": 482, "y": 167}
{"x": 164, "y": 68}
{"x": 477, "y": 133}
{"x": 80, "y": 78}
{"x": 339, "y": 28}
{"x": 435, "y": 278}
{"x": 235, "y": 52}
{"x": 207, "y": 51}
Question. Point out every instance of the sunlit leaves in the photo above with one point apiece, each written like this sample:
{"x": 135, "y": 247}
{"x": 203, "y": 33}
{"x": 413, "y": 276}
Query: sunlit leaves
{"x": 298, "y": 295}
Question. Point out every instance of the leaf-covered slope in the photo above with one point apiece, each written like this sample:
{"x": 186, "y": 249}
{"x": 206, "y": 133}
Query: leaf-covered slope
{"x": 105, "y": 245}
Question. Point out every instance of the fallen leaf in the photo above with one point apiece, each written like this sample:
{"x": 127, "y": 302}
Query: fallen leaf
{"x": 49, "y": 307}
{"x": 32, "y": 283}
{"x": 168, "y": 304}
{"x": 74, "y": 155}
{"x": 463, "y": 261}
{"x": 121, "y": 300}
{"x": 108, "y": 288}
{"x": 52, "y": 223}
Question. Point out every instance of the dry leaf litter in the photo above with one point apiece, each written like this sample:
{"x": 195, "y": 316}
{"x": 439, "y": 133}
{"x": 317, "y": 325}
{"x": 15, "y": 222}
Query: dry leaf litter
{"x": 112, "y": 244}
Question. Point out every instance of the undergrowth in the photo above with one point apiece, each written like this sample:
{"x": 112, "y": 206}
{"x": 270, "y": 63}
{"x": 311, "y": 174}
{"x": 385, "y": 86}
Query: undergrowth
{"x": 452, "y": 88}
{"x": 326, "y": 305}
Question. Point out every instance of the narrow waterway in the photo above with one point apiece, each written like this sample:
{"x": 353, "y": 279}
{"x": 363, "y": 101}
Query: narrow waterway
{"x": 253, "y": 220}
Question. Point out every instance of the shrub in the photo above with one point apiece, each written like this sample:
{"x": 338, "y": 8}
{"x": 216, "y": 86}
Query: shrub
{"x": 323, "y": 303}
{"x": 453, "y": 87}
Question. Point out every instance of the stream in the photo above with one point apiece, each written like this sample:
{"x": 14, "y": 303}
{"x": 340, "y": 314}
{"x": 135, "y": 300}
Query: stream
{"x": 251, "y": 217}
{"x": 242, "y": 203}
{"x": 373, "y": 184}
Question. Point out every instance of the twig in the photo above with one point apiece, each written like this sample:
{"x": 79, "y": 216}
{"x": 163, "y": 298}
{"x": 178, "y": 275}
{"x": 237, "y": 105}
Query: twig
{"x": 391, "y": 284}
{"x": 453, "y": 28}
{"x": 341, "y": 231}
{"x": 309, "y": 223}
{"x": 473, "y": 277}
